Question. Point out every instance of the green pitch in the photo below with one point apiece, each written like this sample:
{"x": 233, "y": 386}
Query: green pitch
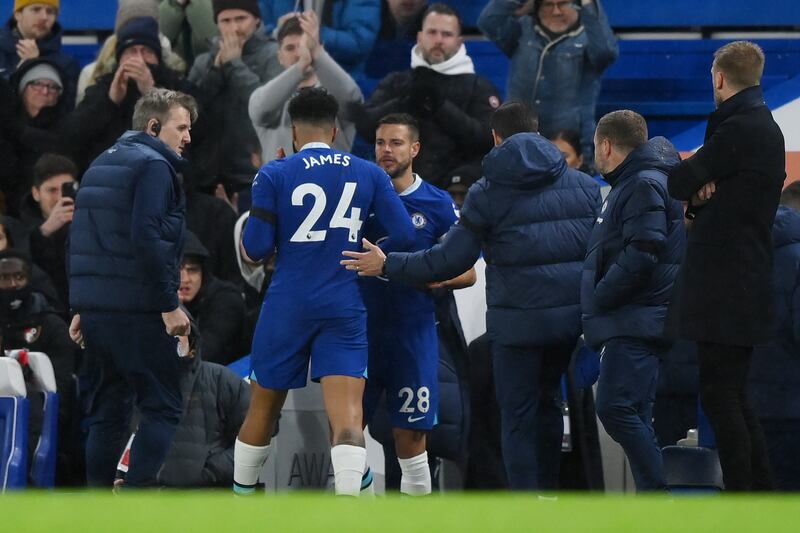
{"x": 178, "y": 512}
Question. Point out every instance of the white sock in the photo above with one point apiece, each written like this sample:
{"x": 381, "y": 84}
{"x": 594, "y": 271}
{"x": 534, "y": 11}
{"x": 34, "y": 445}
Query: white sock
{"x": 349, "y": 463}
{"x": 416, "y": 479}
{"x": 248, "y": 460}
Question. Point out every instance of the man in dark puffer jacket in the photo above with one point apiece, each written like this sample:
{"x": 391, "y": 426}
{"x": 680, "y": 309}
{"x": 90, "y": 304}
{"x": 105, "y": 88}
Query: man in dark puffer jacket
{"x": 125, "y": 248}
{"x": 774, "y": 382}
{"x": 531, "y": 216}
{"x": 633, "y": 257}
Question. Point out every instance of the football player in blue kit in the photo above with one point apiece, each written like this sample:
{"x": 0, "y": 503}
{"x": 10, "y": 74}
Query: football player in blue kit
{"x": 403, "y": 342}
{"x": 305, "y": 209}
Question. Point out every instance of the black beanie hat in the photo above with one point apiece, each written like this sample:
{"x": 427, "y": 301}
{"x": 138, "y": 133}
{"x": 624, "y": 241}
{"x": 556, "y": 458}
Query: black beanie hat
{"x": 245, "y": 5}
{"x": 139, "y": 30}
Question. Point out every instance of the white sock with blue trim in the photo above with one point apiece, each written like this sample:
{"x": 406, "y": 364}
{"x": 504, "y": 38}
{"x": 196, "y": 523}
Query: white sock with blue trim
{"x": 349, "y": 463}
{"x": 416, "y": 478}
{"x": 248, "y": 461}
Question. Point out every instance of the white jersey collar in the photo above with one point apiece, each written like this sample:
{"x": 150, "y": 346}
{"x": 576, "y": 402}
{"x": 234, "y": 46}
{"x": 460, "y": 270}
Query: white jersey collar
{"x": 314, "y": 145}
{"x": 413, "y": 187}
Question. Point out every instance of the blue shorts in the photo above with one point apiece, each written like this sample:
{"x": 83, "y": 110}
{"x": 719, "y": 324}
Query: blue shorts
{"x": 283, "y": 345}
{"x": 404, "y": 363}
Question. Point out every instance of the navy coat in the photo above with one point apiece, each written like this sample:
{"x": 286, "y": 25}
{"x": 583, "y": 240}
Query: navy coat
{"x": 531, "y": 216}
{"x": 775, "y": 370}
{"x": 635, "y": 249}
{"x": 128, "y": 230}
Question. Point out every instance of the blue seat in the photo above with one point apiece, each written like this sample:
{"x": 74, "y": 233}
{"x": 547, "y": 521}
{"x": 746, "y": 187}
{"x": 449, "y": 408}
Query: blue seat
{"x": 13, "y": 426}
{"x": 692, "y": 469}
{"x": 43, "y": 381}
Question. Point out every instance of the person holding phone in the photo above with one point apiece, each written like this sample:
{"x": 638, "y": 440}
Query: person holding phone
{"x": 47, "y": 212}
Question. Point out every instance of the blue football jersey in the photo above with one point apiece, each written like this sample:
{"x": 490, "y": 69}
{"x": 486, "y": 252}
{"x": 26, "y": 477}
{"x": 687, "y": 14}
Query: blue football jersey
{"x": 308, "y": 208}
{"x": 432, "y": 212}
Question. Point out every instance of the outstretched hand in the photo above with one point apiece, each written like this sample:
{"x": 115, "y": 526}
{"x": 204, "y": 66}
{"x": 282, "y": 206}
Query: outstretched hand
{"x": 368, "y": 263}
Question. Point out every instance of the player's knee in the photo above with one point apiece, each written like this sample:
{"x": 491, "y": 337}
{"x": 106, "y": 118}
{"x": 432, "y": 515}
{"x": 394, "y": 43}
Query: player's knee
{"x": 352, "y": 436}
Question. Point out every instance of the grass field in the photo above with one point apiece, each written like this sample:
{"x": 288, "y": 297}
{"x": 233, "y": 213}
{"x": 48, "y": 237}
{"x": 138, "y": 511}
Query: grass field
{"x": 178, "y": 512}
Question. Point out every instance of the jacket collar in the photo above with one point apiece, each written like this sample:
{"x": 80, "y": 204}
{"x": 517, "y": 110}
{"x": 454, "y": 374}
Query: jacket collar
{"x": 140, "y": 137}
{"x": 745, "y": 99}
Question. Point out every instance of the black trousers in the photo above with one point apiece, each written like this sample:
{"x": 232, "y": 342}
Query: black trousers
{"x": 740, "y": 439}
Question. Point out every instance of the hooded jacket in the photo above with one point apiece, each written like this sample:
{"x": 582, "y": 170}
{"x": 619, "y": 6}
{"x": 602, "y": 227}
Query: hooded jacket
{"x": 775, "y": 370}
{"x": 635, "y": 249}
{"x": 215, "y": 402}
{"x": 127, "y": 233}
{"x": 557, "y": 75}
{"x": 49, "y": 47}
{"x": 218, "y": 308}
{"x": 532, "y": 216}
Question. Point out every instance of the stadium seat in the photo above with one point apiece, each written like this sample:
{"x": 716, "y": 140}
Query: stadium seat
{"x": 43, "y": 467}
{"x": 691, "y": 469}
{"x": 13, "y": 426}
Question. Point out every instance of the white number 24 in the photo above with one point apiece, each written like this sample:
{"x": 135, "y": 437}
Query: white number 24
{"x": 340, "y": 219}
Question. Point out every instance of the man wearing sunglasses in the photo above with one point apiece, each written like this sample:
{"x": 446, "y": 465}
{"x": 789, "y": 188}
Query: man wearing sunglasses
{"x": 559, "y": 49}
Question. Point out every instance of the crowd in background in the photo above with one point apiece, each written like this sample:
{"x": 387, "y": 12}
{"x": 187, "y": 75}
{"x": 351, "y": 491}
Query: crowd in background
{"x": 242, "y": 60}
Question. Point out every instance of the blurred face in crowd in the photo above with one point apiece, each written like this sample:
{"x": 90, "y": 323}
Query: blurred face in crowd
{"x": 403, "y": 11}
{"x": 175, "y": 131}
{"x": 36, "y": 20}
{"x": 48, "y": 193}
{"x": 573, "y": 158}
{"x": 3, "y": 238}
{"x": 191, "y": 279}
{"x": 395, "y": 149}
{"x": 557, "y": 15}
{"x": 440, "y": 38}
{"x": 39, "y": 94}
{"x": 289, "y": 50}
{"x": 145, "y": 53}
{"x": 458, "y": 191}
{"x": 237, "y": 22}
{"x": 13, "y": 274}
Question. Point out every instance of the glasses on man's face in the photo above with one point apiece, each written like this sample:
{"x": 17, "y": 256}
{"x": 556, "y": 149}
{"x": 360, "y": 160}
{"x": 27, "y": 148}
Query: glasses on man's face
{"x": 45, "y": 87}
{"x": 551, "y": 6}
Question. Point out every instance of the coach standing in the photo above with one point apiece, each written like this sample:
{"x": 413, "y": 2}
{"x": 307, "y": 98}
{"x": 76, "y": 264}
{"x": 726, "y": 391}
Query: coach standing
{"x": 124, "y": 258}
{"x": 723, "y": 295}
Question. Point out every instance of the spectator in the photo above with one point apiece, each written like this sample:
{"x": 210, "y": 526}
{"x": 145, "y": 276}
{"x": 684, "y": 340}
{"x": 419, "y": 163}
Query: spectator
{"x": 106, "y": 62}
{"x": 451, "y": 102}
{"x": 239, "y": 61}
{"x": 40, "y": 111}
{"x": 13, "y": 234}
{"x": 559, "y": 49}
{"x": 774, "y": 383}
{"x": 28, "y": 321}
{"x": 348, "y": 28}
{"x": 47, "y": 212}
{"x": 401, "y": 20}
{"x": 723, "y": 297}
{"x": 307, "y": 64}
{"x": 569, "y": 142}
{"x": 633, "y": 255}
{"x": 189, "y": 26}
{"x": 531, "y": 216}
{"x": 459, "y": 182}
{"x": 125, "y": 248}
{"x": 216, "y": 401}
{"x": 107, "y": 109}
{"x": 31, "y": 33}
{"x": 217, "y": 306}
